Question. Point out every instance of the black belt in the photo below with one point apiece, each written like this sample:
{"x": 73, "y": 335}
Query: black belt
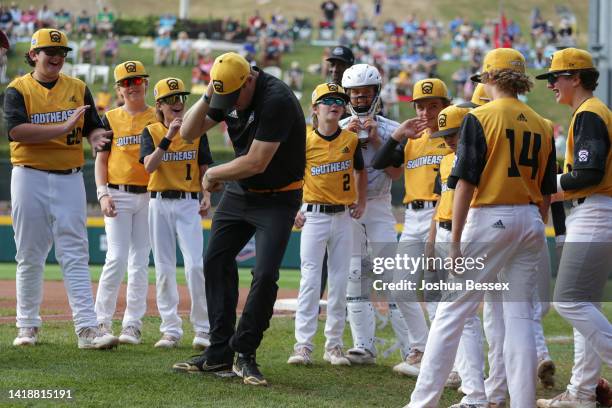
{"x": 128, "y": 188}
{"x": 68, "y": 171}
{"x": 326, "y": 208}
{"x": 174, "y": 194}
{"x": 447, "y": 225}
{"x": 420, "y": 204}
{"x": 577, "y": 201}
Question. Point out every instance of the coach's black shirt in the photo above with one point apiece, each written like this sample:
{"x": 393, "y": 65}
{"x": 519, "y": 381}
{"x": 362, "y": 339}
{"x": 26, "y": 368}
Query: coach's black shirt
{"x": 275, "y": 115}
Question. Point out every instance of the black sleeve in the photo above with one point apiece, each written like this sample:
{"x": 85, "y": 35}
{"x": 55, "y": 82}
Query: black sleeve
{"x": 558, "y": 217}
{"x": 358, "y": 163}
{"x": 216, "y": 114}
{"x": 437, "y": 185}
{"x": 276, "y": 120}
{"x": 204, "y": 155}
{"x": 146, "y": 145}
{"x": 549, "y": 182}
{"x": 591, "y": 142}
{"x": 388, "y": 155}
{"x": 106, "y": 125}
{"x": 577, "y": 179}
{"x": 91, "y": 120}
{"x": 15, "y": 112}
{"x": 471, "y": 153}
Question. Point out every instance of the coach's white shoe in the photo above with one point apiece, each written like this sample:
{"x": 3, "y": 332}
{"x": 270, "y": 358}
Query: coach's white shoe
{"x": 105, "y": 328}
{"x": 358, "y": 355}
{"x": 566, "y": 400}
{"x": 26, "y": 336}
{"x": 201, "y": 341}
{"x": 453, "y": 381}
{"x": 167, "y": 341}
{"x": 412, "y": 365}
{"x": 336, "y": 356}
{"x": 92, "y": 338}
{"x": 300, "y": 356}
{"x": 130, "y": 335}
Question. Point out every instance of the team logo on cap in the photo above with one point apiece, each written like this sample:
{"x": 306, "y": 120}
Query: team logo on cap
{"x": 332, "y": 87}
{"x": 442, "y": 120}
{"x": 218, "y": 85}
{"x": 427, "y": 87}
{"x": 55, "y": 36}
{"x": 130, "y": 67}
{"x": 173, "y": 84}
{"x": 338, "y": 51}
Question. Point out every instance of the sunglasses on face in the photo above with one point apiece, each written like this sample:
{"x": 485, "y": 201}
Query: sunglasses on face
{"x": 332, "y": 101}
{"x": 55, "y": 52}
{"x": 136, "y": 81}
{"x": 172, "y": 99}
{"x": 553, "y": 78}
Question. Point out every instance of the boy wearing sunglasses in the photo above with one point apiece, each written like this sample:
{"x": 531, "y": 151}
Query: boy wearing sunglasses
{"x": 122, "y": 193}
{"x": 176, "y": 168}
{"x": 47, "y": 115}
{"x": 331, "y": 198}
{"x": 586, "y": 260}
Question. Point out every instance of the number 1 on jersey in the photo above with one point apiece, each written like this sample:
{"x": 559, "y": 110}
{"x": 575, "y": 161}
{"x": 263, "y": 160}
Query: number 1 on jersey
{"x": 188, "y": 176}
{"x": 524, "y": 159}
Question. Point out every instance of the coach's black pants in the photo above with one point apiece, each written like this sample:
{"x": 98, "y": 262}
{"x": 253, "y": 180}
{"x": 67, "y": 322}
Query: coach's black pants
{"x": 239, "y": 215}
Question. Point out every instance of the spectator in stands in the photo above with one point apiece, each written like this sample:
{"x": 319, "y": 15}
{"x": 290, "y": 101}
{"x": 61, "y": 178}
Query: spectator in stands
{"x": 350, "y": 14}
{"x": 83, "y": 22}
{"x": 459, "y": 78}
{"x": 166, "y": 22}
{"x": 28, "y": 21}
{"x": 183, "y": 49}
{"x": 256, "y": 24}
{"x": 15, "y": 14}
{"x": 45, "y": 18}
{"x": 6, "y": 20}
{"x": 430, "y": 62}
{"x": 163, "y": 47}
{"x": 63, "y": 19}
{"x": 110, "y": 50}
{"x": 330, "y": 8}
{"x": 104, "y": 21}
{"x": 230, "y": 28}
{"x": 200, "y": 74}
{"x": 272, "y": 51}
{"x": 295, "y": 76}
{"x": 87, "y": 50}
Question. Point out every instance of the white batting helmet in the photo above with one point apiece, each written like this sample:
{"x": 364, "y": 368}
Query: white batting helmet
{"x": 363, "y": 75}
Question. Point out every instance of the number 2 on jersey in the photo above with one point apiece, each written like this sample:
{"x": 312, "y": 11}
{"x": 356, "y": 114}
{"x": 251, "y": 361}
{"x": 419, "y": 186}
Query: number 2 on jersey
{"x": 524, "y": 158}
{"x": 346, "y": 182}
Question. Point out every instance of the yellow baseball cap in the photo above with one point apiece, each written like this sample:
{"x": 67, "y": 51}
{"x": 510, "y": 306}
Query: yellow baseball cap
{"x": 449, "y": 120}
{"x": 479, "y": 98}
{"x": 328, "y": 88}
{"x": 501, "y": 58}
{"x": 569, "y": 59}
{"x": 429, "y": 88}
{"x": 48, "y": 37}
{"x": 168, "y": 87}
{"x": 228, "y": 74}
{"x": 129, "y": 69}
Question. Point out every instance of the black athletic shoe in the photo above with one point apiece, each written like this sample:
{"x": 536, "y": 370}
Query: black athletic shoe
{"x": 201, "y": 364}
{"x": 246, "y": 367}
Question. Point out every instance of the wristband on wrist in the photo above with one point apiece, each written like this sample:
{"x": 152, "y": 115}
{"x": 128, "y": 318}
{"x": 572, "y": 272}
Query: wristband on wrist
{"x": 165, "y": 143}
{"x": 102, "y": 191}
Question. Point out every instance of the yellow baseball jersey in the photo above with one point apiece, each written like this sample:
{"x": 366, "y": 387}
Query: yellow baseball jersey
{"x": 506, "y": 149}
{"x": 444, "y": 209}
{"x": 124, "y": 166}
{"x": 328, "y": 178}
{"x": 179, "y": 169}
{"x": 591, "y": 120}
{"x": 50, "y": 107}
{"x": 422, "y": 159}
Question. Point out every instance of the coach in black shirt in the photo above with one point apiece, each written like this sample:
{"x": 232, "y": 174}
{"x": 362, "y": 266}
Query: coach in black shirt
{"x": 262, "y": 196}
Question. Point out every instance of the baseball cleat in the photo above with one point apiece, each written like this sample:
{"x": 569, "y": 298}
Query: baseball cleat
{"x": 566, "y": 400}
{"x": 453, "y": 381}
{"x": 201, "y": 341}
{"x": 130, "y": 335}
{"x": 167, "y": 341}
{"x": 246, "y": 368}
{"x": 546, "y": 373}
{"x": 92, "y": 338}
{"x": 412, "y": 365}
{"x": 358, "y": 355}
{"x": 336, "y": 356}
{"x": 300, "y": 356}
{"x": 200, "y": 364}
{"x": 26, "y": 336}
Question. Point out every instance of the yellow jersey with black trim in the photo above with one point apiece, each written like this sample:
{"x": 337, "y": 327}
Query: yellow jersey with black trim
{"x": 329, "y": 178}
{"x": 422, "y": 159}
{"x": 124, "y": 166}
{"x": 506, "y": 150}
{"x": 591, "y": 123}
{"x": 444, "y": 209}
{"x": 51, "y": 107}
{"x": 179, "y": 169}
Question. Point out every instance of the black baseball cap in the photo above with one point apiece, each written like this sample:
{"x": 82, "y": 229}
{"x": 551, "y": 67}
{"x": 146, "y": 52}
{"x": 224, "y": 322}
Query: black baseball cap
{"x": 342, "y": 53}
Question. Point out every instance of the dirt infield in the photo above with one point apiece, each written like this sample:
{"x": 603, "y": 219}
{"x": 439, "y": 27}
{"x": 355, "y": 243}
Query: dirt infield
{"x": 55, "y": 303}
